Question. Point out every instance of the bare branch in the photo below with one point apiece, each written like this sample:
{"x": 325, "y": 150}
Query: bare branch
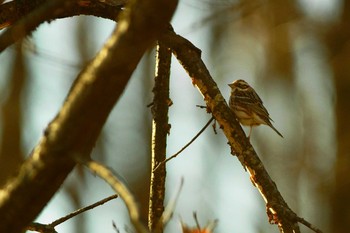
{"x": 51, "y": 227}
{"x": 13, "y": 11}
{"x": 29, "y": 22}
{"x": 93, "y": 95}
{"x": 160, "y": 131}
{"x": 107, "y": 175}
{"x": 89, "y": 207}
{"x": 162, "y": 163}
{"x": 309, "y": 225}
{"x": 189, "y": 56}
{"x": 169, "y": 210}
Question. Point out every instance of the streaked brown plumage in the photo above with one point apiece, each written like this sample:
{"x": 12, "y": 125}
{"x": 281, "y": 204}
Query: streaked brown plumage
{"x": 248, "y": 107}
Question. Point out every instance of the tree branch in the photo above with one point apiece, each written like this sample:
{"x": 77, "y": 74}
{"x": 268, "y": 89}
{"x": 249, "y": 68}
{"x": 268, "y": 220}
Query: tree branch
{"x": 107, "y": 175}
{"x": 51, "y": 226}
{"x": 163, "y": 162}
{"x": 11, "y": 155}
{"x": 79, "y": 122}
{"x": 31, "y": 20}
{"x": 160, "y": 131}
{"x": 189, "y": 56}
{"x": 22, "y": 17}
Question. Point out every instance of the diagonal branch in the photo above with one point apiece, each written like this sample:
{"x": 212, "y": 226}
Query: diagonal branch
{"x": 79, "y": 122}
{"x": 189, "y": 56}
{"x": 163, "y": 162}
{"x": 107, "y": 175}
{"x": 51, "y": 226}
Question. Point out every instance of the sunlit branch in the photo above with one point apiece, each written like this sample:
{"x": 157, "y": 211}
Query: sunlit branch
{"x": 160, "y": 131}
{"x": 107, "y": 175}
{"x": 169, "y": 209}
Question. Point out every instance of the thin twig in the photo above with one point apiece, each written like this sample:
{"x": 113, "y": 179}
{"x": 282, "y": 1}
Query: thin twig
{"x": 196, "y": 220}
{"x": 183, "y": 148}
{"x": 71, "y": 215}
{"x": 115, "y": 227}
{"x": 309, "y": 225}
{"x": 201, "y": 106}
{"x": 51, "y": 226}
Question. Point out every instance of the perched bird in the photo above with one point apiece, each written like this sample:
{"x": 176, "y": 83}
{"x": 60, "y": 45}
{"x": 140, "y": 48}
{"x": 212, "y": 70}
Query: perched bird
{"x": 248, "y": 107}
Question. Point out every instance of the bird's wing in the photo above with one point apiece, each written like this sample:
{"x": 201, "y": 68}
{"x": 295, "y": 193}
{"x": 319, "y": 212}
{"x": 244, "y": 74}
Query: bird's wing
{"x": 257, "y": 106}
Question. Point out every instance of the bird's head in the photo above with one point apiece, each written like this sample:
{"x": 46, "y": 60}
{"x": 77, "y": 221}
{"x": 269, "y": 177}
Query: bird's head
{"x": 239, "y": 84}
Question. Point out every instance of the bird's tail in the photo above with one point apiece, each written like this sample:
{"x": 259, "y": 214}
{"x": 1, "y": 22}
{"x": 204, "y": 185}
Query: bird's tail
{"x": 275, "y": 130}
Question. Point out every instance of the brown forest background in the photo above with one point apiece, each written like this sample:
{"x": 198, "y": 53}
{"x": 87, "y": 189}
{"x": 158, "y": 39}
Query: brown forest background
{"x": 295, "y": 53}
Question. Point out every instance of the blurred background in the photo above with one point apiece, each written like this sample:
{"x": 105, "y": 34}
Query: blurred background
{"x": 294, "y": 53}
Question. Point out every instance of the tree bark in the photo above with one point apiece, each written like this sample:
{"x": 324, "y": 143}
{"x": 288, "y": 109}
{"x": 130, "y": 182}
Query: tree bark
{"x": 161, "y": 127}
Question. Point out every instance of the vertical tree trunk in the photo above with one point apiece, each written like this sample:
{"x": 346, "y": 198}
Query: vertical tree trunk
{"x": 338, "y": 42}
{"x": 159, "y": 137}
{"x": 10, "y": 153}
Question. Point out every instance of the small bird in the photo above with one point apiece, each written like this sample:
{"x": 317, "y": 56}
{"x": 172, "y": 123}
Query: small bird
{"x": 248, "y": 107}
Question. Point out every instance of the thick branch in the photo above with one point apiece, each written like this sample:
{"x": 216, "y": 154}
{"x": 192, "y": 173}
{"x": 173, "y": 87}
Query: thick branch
{"x": 31, "y": 20}
{"x": 76, "y": 127}
{"x": 22, "y": 17}
{"x": 160, "y": 130}
{"x": 189, "y": 56}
